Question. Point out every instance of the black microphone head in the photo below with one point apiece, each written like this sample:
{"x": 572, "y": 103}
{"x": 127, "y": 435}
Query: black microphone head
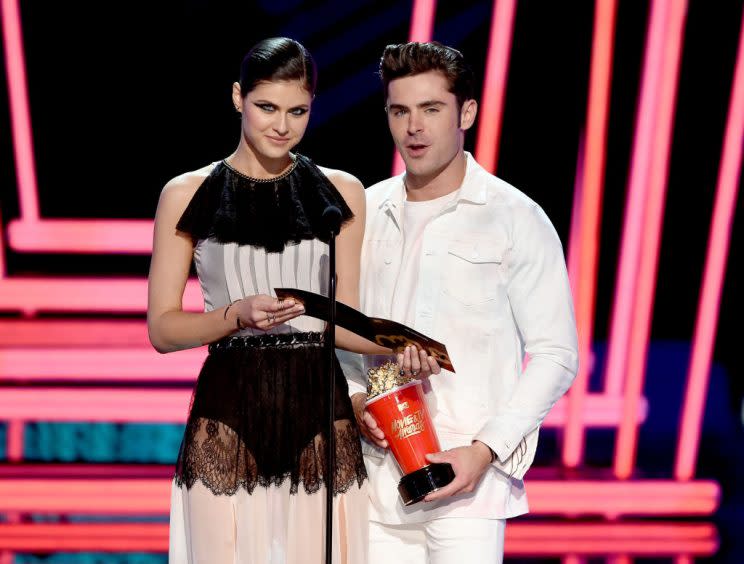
{"x": 332, "y": 219}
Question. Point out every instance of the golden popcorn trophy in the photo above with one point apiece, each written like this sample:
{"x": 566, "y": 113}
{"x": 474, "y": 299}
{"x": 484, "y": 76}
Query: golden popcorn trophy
{"x": 398, "y": 405}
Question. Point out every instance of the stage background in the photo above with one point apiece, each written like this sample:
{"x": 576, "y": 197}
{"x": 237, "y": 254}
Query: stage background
{"x": 125, "y": 96}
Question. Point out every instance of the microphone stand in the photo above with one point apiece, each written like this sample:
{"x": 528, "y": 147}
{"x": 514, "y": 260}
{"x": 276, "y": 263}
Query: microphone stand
{"x": 332, "y": 217}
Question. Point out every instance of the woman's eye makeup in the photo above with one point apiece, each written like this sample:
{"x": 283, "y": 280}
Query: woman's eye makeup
{"x": 270, "y": 108}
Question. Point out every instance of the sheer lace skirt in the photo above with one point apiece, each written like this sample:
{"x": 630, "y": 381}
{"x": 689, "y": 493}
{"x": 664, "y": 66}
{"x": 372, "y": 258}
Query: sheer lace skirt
{"x": 251, "y": 469}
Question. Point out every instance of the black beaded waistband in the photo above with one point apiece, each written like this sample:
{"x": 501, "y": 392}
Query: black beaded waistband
{"x": 266, "y": 340}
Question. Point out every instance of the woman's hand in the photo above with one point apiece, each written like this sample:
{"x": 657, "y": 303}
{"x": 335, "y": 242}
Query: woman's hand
{"x": 416, "y": 363}
{"x": 263, "y": 312}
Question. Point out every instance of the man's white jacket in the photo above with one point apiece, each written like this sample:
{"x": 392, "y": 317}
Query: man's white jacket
{"x": 492, "y": 286}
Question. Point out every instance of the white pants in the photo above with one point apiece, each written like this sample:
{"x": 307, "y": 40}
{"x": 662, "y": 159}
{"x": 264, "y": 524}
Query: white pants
{"x": 441, "y": 541}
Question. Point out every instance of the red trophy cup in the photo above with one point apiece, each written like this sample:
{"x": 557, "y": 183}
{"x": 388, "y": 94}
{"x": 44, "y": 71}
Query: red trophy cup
{"x": 402, "y": 414}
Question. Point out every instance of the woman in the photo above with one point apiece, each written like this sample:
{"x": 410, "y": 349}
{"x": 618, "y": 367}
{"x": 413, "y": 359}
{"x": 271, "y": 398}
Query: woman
{"x": 249, "y": 481}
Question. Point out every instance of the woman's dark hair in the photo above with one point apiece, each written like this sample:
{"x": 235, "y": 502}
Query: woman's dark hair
{"x": 277, "y": 58}
{"x": 408, "y": 59}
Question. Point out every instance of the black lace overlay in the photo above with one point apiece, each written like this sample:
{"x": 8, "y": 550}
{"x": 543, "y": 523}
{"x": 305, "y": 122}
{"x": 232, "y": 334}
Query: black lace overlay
{"x": 258, "y": 418}
{"x": 232, "y": 208}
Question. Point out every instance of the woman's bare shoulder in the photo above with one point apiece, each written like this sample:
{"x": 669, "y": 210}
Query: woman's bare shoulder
{"x": 348, "y": 184}
{"x": 184, "y": 185}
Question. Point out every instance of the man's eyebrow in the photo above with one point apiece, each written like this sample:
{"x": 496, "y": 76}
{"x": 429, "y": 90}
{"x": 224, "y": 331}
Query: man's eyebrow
{"x": 425, "y": 104}
{"x": 430, "y": 103}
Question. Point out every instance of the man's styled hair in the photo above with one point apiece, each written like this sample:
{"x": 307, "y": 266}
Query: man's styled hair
{"x": 408, "y": 59}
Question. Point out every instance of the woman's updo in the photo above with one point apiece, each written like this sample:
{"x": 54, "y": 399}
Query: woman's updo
{"x": 277, "y": 58}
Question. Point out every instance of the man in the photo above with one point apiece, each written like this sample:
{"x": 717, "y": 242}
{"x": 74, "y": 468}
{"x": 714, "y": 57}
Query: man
{"x": 467, "y": 259}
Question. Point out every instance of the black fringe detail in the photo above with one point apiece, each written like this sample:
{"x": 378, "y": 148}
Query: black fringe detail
{"x": 232, "y": 208}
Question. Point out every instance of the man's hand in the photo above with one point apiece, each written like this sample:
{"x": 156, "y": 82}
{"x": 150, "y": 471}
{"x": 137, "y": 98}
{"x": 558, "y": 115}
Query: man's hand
{"x": 367, "y": 424}
{"x": 469, "y": 464}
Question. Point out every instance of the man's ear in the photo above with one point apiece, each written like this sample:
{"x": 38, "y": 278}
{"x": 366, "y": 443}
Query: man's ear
{"x": 467, "y": 114}
{"x": 236, "y": 97}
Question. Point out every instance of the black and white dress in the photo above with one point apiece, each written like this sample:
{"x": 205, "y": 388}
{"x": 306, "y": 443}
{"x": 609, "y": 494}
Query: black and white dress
{"x": 249, "y": 483}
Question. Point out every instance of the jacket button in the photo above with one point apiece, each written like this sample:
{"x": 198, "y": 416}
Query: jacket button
{"x": 388, "y": 261}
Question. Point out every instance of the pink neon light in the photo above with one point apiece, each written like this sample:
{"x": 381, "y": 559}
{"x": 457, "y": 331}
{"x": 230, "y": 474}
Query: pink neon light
{"x": 625, "y": 289}
{"x": 627, "y": 438}
{"x": 110, "y": 537}
{"x": 422, "y": 20}
{"x": 494, "y": 85}
{"x": 572, "y": 257}
{"x": 14, "y": 443}
{"x": 85, "y": 294}
{"x": 715, "y": 267}
{"x": 99, "y": 363}
{"x": 521, "y": 538}
{"x": 588, "y": 207}
{"x": 81, "y": 236}
{"x": 2, "y": 250}
{"x": 20, "y": 115}
{"x": 153, "y": 405}
{"x": 95, "y": 404}
{"x": 615, "y": 498}
{"x": 140, "y": 496}
{"x": 88, "y": 332}
{"x": 423, "y": 14}
{"x": 114, "y": 496}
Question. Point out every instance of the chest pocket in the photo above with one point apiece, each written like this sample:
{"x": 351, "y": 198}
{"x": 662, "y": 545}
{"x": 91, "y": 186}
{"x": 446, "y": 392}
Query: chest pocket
{"x": 473, "y": 271}
{"x": 382, "y": 261}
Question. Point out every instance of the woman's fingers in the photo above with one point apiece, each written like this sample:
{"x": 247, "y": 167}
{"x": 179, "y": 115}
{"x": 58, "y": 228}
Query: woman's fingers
{"x": 415, "y": 362}
{"x": 264, "y": 312}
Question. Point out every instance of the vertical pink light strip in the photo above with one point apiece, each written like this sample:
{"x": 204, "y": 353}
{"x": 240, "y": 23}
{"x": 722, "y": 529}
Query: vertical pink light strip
{"x": 20, "y": 115}
{"x": 14, "y": 440}
{"x": 3, "y": 272}
{"x": 574, "y": 242}
{"x": 423, "y": 14}
{"x": 585, "y": 233}
{"x": 713, "y": 275}
{"x": 627, "y": 438}
{"x": 625, "y": 288}
{"x": 494, "y": 84}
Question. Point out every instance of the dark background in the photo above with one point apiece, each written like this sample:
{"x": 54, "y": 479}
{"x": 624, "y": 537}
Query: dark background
{"x": 126, "y": 96}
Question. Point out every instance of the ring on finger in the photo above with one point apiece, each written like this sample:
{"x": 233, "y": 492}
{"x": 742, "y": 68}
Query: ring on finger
{"x": 415, "y": 372}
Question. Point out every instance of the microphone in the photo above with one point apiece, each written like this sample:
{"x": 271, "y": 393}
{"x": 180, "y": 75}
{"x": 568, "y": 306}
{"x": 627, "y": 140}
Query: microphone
{"x": 331, "y": 223}
{"x": 332, "y": 219}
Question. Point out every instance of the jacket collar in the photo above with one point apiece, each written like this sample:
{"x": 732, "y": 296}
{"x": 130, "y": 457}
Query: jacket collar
{"x": 472, "y": 189}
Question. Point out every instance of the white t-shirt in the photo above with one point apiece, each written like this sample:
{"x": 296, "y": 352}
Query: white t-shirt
{"x": 416, "y": 216}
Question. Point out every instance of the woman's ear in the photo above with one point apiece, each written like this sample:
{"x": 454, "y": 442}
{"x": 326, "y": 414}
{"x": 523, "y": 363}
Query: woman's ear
{"x": 237, "y": 97}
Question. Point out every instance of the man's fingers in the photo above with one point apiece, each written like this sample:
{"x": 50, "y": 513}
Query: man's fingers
{"x": 450, "y": 489}
{"x": 438, "y": 457}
